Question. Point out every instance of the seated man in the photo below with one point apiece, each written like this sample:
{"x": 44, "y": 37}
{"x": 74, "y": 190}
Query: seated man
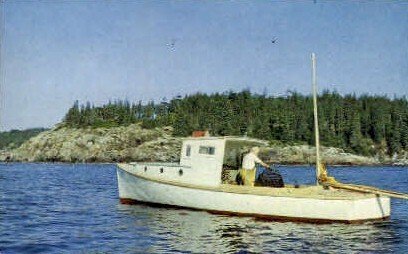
{"x": 248, "y": 171}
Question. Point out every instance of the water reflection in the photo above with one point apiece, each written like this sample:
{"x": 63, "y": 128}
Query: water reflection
{"x": 200, "y": 232}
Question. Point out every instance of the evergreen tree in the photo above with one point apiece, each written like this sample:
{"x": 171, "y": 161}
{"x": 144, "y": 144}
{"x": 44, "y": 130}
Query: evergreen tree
{"x": 357, "y": 124}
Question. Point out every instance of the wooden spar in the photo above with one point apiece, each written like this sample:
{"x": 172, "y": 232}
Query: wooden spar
{"x": 316, "y": 122}
{"x": 321, "y": 173}
{"x": 367, "y": 189}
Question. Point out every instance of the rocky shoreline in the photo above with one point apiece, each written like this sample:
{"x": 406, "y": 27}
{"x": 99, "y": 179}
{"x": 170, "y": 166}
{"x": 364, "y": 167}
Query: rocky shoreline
{"x": 133, "y": 143}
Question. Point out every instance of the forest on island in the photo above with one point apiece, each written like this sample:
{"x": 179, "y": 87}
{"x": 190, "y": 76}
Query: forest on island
{"x": 14, "y": 138}
{"x": 366, "y": 124}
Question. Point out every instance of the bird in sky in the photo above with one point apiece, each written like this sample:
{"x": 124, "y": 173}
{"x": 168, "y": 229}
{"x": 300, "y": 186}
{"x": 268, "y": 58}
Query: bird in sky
{"x": 172, "y": 44}
{"x": 274, "y": 40}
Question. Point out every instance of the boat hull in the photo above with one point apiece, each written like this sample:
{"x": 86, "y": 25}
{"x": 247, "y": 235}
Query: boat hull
{"x": 134, "y": 188}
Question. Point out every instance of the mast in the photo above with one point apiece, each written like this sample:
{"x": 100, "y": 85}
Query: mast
{"x": 316, "y": 122}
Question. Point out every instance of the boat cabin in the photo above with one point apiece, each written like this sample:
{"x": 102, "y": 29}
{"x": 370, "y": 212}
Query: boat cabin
{"x": 206, "y": 161}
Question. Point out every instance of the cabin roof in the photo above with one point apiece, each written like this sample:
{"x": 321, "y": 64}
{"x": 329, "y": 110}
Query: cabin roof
{"x": 228, "y": 138}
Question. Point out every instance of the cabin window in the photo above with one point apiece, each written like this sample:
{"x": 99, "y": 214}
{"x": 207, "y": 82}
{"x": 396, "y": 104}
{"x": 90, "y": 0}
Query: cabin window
{"x": 207, "y": 150}
{"x": 188, "y": 150}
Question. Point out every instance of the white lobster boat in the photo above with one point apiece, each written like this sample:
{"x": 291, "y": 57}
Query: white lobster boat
{"x": 204, "y": 179}
{"x": 197, "y": 183}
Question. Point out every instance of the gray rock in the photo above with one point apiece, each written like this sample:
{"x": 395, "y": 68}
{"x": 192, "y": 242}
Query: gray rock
{"x": 133, "y": 143}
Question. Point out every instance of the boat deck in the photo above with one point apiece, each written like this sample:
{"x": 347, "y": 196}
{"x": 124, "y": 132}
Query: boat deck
{"x": 307, "y": 191}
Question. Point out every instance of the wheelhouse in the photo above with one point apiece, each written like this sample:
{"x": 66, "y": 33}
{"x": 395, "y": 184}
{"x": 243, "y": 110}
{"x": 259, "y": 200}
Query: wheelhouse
{"x": 215, "y": 160}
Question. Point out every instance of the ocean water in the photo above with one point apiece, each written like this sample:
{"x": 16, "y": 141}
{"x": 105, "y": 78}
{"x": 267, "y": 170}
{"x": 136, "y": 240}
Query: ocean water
{"x": 74, "y": 208}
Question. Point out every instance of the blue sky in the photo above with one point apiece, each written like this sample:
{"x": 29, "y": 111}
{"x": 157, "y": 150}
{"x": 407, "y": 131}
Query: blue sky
{"x": 56, "y": 52}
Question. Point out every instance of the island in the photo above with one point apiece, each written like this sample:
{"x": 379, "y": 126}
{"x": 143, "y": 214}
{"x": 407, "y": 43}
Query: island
{"x": 355, "y": 130}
